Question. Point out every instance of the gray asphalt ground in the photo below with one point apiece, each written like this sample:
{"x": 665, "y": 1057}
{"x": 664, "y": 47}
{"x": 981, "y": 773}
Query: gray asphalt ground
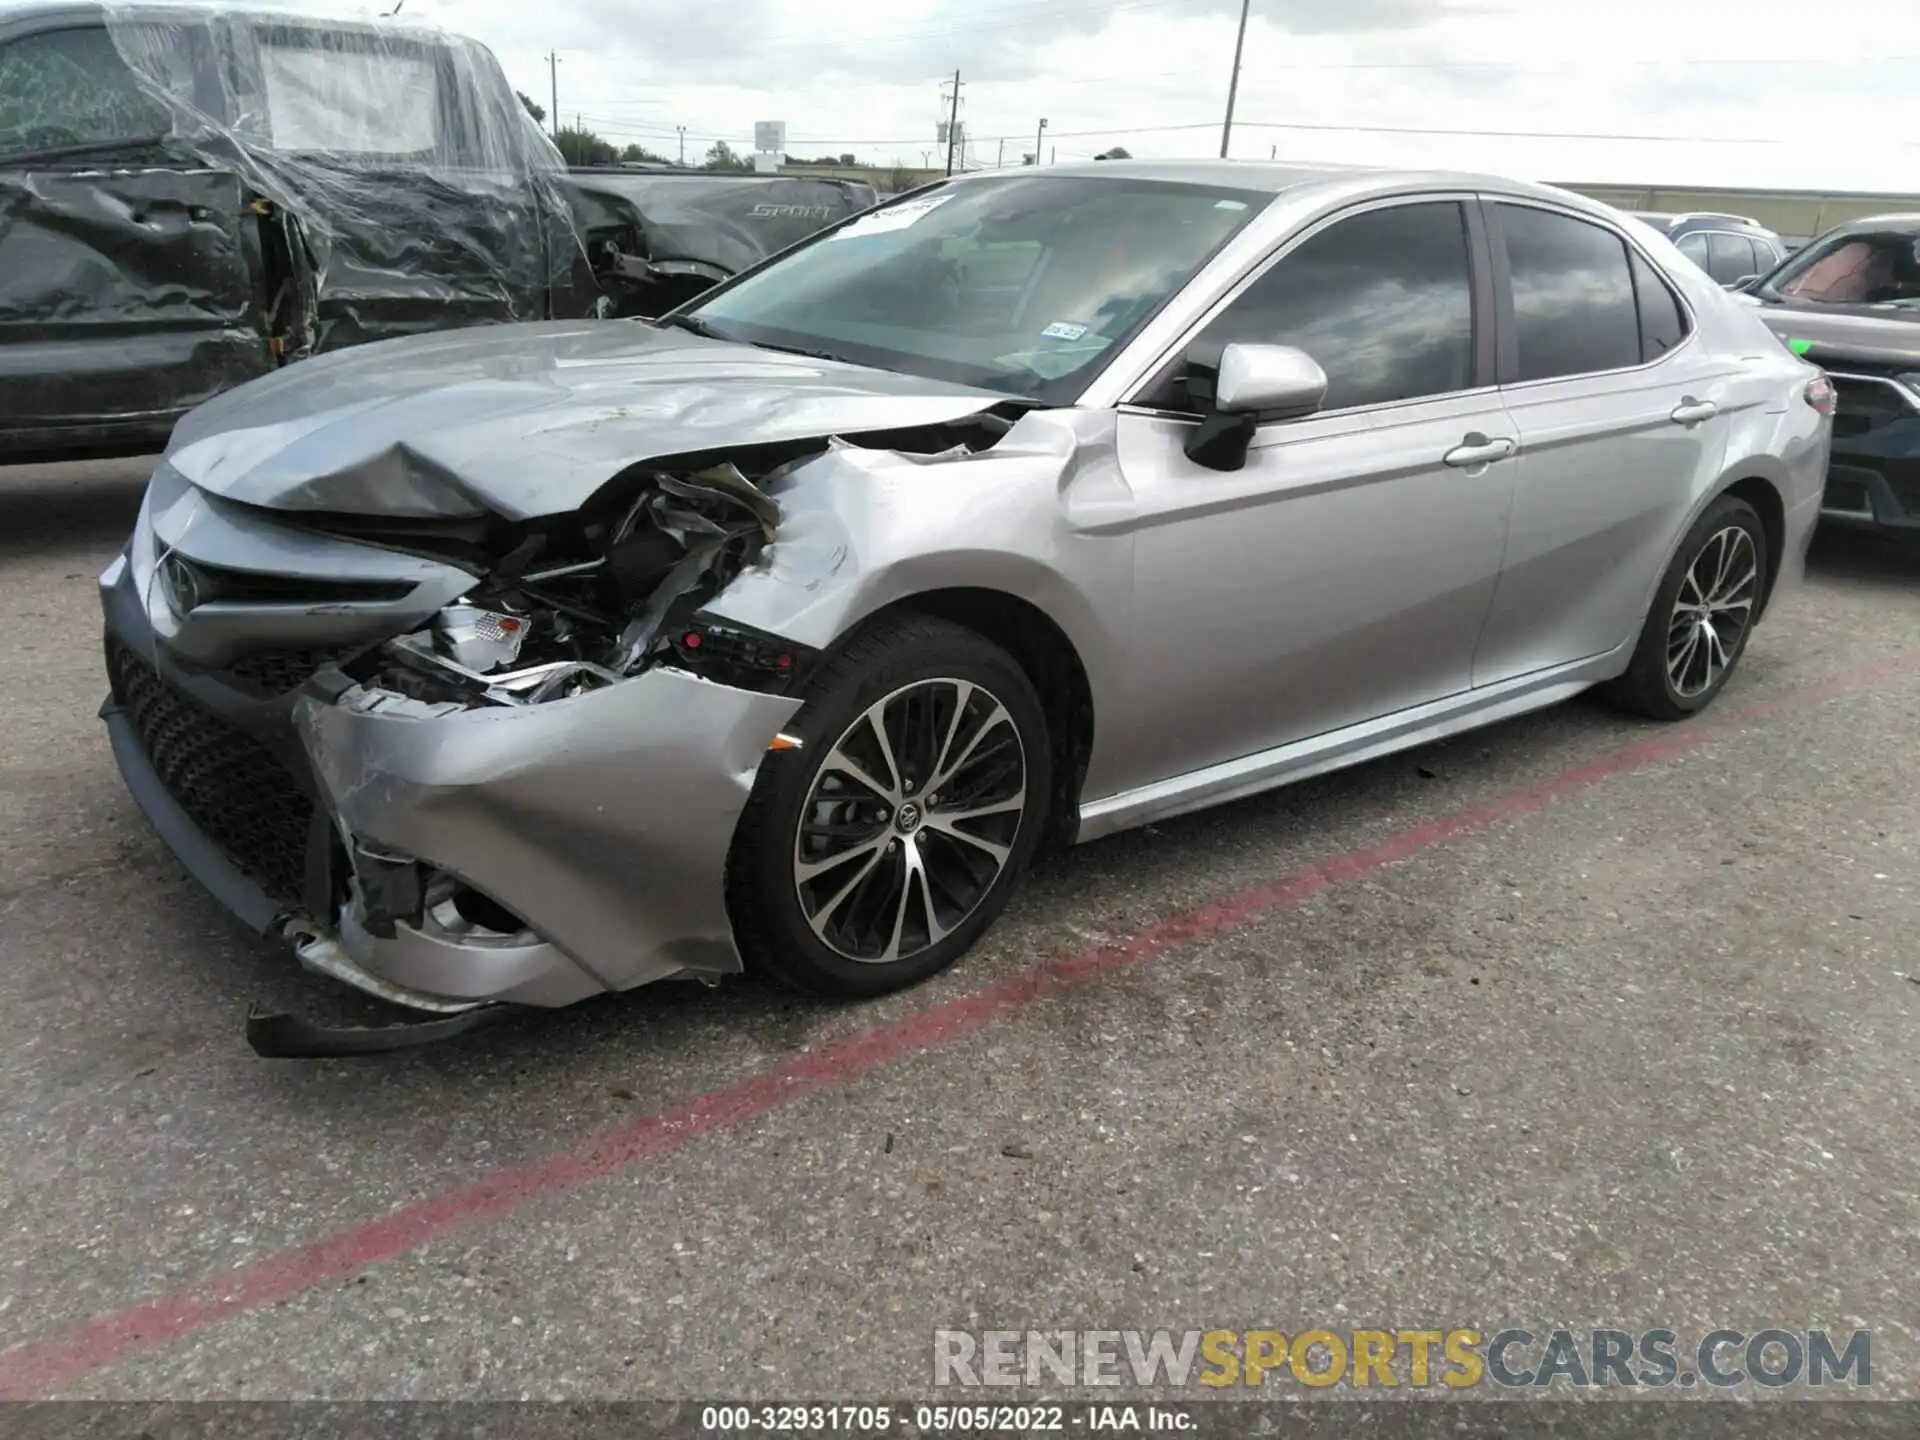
{"x": 1642, "y": 1053}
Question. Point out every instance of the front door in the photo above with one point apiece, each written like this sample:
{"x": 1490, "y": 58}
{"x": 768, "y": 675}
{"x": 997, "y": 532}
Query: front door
{"x": 1345, "y": 572}
{"x": 128, "y": 273}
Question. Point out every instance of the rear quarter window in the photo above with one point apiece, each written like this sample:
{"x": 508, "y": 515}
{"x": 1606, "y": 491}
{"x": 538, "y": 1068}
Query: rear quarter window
{"x": 1663, "y": 320}
{"x": 345, "y": 98}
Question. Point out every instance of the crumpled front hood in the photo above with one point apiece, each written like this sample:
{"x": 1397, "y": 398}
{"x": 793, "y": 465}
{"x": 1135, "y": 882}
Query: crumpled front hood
{"x": 1836, "y": 335}
{"x": 525, "y": 420}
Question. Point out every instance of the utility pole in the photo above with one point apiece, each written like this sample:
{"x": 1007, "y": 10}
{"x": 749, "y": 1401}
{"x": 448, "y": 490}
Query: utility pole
{"x": 1000, "y": 158}
{"x": 1233, "y": 84}
{"x": 683, "y": 145}
{"x": 553, "y": 77}
{"x": 1036, "y": 141}
{"x": 953, "y": 122}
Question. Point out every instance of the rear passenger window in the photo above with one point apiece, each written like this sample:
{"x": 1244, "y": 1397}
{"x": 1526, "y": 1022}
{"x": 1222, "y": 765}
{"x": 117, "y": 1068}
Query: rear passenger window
{"x": 1729, "y": 257}
{"x": 1663, "y": 324}
{"x": 1573, "y": 300}
{"x": 1694, "y": 247}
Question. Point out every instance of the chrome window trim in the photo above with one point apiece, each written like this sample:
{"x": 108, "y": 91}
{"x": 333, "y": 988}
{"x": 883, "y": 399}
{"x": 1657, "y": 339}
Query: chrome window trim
{"x": 1285, "y": 246}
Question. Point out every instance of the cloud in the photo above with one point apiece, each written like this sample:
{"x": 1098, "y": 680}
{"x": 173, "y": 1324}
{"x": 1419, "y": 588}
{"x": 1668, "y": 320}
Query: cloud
{"x": 1352, "y": 75}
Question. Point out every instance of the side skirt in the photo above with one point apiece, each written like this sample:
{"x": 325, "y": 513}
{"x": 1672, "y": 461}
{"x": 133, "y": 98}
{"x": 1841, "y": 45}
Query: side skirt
{"x": 1337, "y": 749}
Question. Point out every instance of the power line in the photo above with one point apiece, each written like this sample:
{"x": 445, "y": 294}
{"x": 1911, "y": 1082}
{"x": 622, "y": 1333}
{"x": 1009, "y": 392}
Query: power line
{"x": 1444, "y": 131}
{"x": 1413, "y": 66}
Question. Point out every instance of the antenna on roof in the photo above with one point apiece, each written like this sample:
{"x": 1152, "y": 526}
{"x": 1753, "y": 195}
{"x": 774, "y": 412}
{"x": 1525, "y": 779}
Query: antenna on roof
{"x": 389, "y": 14}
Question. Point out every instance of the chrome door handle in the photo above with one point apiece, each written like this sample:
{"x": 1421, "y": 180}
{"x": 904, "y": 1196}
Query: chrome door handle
{"x": 1477, "y": 449}
{"x": 1691, "y": 411}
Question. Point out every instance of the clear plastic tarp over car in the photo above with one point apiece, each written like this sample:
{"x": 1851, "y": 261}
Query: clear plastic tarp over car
{"x": 413, "y": 176}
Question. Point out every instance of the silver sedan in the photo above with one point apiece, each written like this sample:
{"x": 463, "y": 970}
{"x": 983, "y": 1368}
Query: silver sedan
{"x": 515, "y": 665}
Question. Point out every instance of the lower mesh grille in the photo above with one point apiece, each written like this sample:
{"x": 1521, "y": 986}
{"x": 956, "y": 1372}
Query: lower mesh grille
{"x": 275, "y": 672}
{"x": 231, "y": 786}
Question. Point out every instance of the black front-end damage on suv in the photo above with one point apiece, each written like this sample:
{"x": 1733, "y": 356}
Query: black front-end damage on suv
{"x": 1873, "y": 478}
{"x": 1849, "y": 302}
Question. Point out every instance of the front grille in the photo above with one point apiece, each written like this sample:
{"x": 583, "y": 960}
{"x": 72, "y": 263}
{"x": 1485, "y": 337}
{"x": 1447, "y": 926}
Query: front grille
{"x": 1876, "y": 428}
{"x": 275, "y": 672}
{"x": 1863, "y": 406}
{"x": 231, "y": 786}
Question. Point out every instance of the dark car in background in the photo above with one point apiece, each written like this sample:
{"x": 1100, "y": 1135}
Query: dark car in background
{"x": 1849, "y": 302}
{"x": 193, "y": 196}
{"x": 1730, "y": 248}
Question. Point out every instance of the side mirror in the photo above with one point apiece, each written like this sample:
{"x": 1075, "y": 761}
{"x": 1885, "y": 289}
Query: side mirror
{"x": 1273, "y": 380}
{"x": 1276, "y": 382}
{"x": 1743, "y": 284}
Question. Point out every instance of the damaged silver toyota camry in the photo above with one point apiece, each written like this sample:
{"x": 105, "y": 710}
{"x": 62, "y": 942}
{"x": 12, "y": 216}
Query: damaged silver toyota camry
{"x": 517, "y": 665}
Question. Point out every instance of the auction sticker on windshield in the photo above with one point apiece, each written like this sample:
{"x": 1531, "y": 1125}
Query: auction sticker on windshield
{"x": 897, "y": 217}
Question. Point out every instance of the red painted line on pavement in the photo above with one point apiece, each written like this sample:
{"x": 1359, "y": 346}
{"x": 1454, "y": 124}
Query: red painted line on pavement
{"x": 52, "y": 1362}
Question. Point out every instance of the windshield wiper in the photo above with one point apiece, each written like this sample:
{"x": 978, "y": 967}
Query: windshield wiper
{"x": 692, "y": 324}
{"x": 800, "y": 350}
{"x": 133, "y": 145}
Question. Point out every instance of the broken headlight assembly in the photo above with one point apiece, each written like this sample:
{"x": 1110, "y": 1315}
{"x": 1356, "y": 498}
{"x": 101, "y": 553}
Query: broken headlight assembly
{"x": 590, "y": 601}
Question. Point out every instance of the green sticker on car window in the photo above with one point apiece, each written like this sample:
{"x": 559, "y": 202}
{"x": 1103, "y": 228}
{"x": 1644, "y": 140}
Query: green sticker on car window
{"x": 1800, "y": 347}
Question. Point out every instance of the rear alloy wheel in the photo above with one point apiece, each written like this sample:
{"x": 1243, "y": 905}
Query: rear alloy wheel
{"x": 1701, "y": 616}
{"x": 873, "y": 855}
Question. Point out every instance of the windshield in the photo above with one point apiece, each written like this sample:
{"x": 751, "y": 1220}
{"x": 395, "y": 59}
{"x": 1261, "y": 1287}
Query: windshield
{"x": 1864, "y": 268}
{"x": 1025, "y": 285}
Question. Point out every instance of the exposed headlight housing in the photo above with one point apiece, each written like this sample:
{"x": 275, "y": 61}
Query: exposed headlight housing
{"x": 478, "y": 639}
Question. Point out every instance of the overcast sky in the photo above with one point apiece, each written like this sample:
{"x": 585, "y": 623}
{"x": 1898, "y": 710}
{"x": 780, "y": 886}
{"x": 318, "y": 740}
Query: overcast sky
{"x": 1739, "y": 92}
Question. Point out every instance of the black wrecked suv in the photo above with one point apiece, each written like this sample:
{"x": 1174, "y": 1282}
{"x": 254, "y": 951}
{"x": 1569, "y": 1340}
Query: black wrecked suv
{"x": 194, "y": 195}
{"x": 1849, "y": 302}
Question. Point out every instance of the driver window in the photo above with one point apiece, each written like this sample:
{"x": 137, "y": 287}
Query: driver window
{"x": 1383, "y": 301}
{"x": 70, "y": 87}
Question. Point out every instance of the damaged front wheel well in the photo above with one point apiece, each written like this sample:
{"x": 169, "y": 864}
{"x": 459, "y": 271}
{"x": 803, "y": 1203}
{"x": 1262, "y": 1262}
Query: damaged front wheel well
{"x": 1043, "y": 651}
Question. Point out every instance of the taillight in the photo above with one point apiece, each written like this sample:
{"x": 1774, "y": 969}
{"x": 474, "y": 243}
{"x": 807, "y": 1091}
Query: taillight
{"x": 1821, "y": 394}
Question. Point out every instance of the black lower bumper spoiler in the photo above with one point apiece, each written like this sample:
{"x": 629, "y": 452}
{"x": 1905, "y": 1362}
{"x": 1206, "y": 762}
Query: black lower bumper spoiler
{"x": 290, "y": 1037}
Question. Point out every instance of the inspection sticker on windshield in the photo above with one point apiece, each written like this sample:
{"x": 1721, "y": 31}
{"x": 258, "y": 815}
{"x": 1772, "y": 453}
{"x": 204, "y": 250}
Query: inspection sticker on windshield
{"x": 1063, "y": 330}
{"x": 894, "y": 217}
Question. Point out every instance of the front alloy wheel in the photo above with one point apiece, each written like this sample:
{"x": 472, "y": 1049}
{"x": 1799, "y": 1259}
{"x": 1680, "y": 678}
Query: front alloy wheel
{"x": 911, "y": 819}
{"x": 876, "y": 850}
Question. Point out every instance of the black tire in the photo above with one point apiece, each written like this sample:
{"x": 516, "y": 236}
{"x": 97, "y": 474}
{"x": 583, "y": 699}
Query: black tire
{"x": 919, "y": 657}
{"x": 1647, "y": 688}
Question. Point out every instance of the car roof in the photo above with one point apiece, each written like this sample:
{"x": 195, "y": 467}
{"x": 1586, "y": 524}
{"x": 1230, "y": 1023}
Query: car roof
{"x": 96, "y": 12}
{"x": 1878, "y": 222}
{"x": 1274, "y": 177}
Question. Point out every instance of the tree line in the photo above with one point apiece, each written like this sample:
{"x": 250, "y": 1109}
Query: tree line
{"x": 581, "y": 146}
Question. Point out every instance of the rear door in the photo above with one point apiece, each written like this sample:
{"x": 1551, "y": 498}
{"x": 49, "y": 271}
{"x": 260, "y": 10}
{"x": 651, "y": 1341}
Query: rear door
{"x": 128, "y": 274}
{"x": 406, "y": 175}
{"x": 1623, "y": 419}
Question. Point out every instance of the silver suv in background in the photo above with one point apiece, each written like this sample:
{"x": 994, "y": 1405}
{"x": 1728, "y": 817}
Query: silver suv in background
{"x": 1732, "y": 249}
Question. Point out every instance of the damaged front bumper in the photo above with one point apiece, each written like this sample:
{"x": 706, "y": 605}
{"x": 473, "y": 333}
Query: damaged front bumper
{"x": 455, "y": 860}
{"x": 537, "y": 855}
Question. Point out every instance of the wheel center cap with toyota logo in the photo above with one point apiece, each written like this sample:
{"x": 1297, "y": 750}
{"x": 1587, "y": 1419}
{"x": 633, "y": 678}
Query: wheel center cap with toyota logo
{"x": 908, "y": 819}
